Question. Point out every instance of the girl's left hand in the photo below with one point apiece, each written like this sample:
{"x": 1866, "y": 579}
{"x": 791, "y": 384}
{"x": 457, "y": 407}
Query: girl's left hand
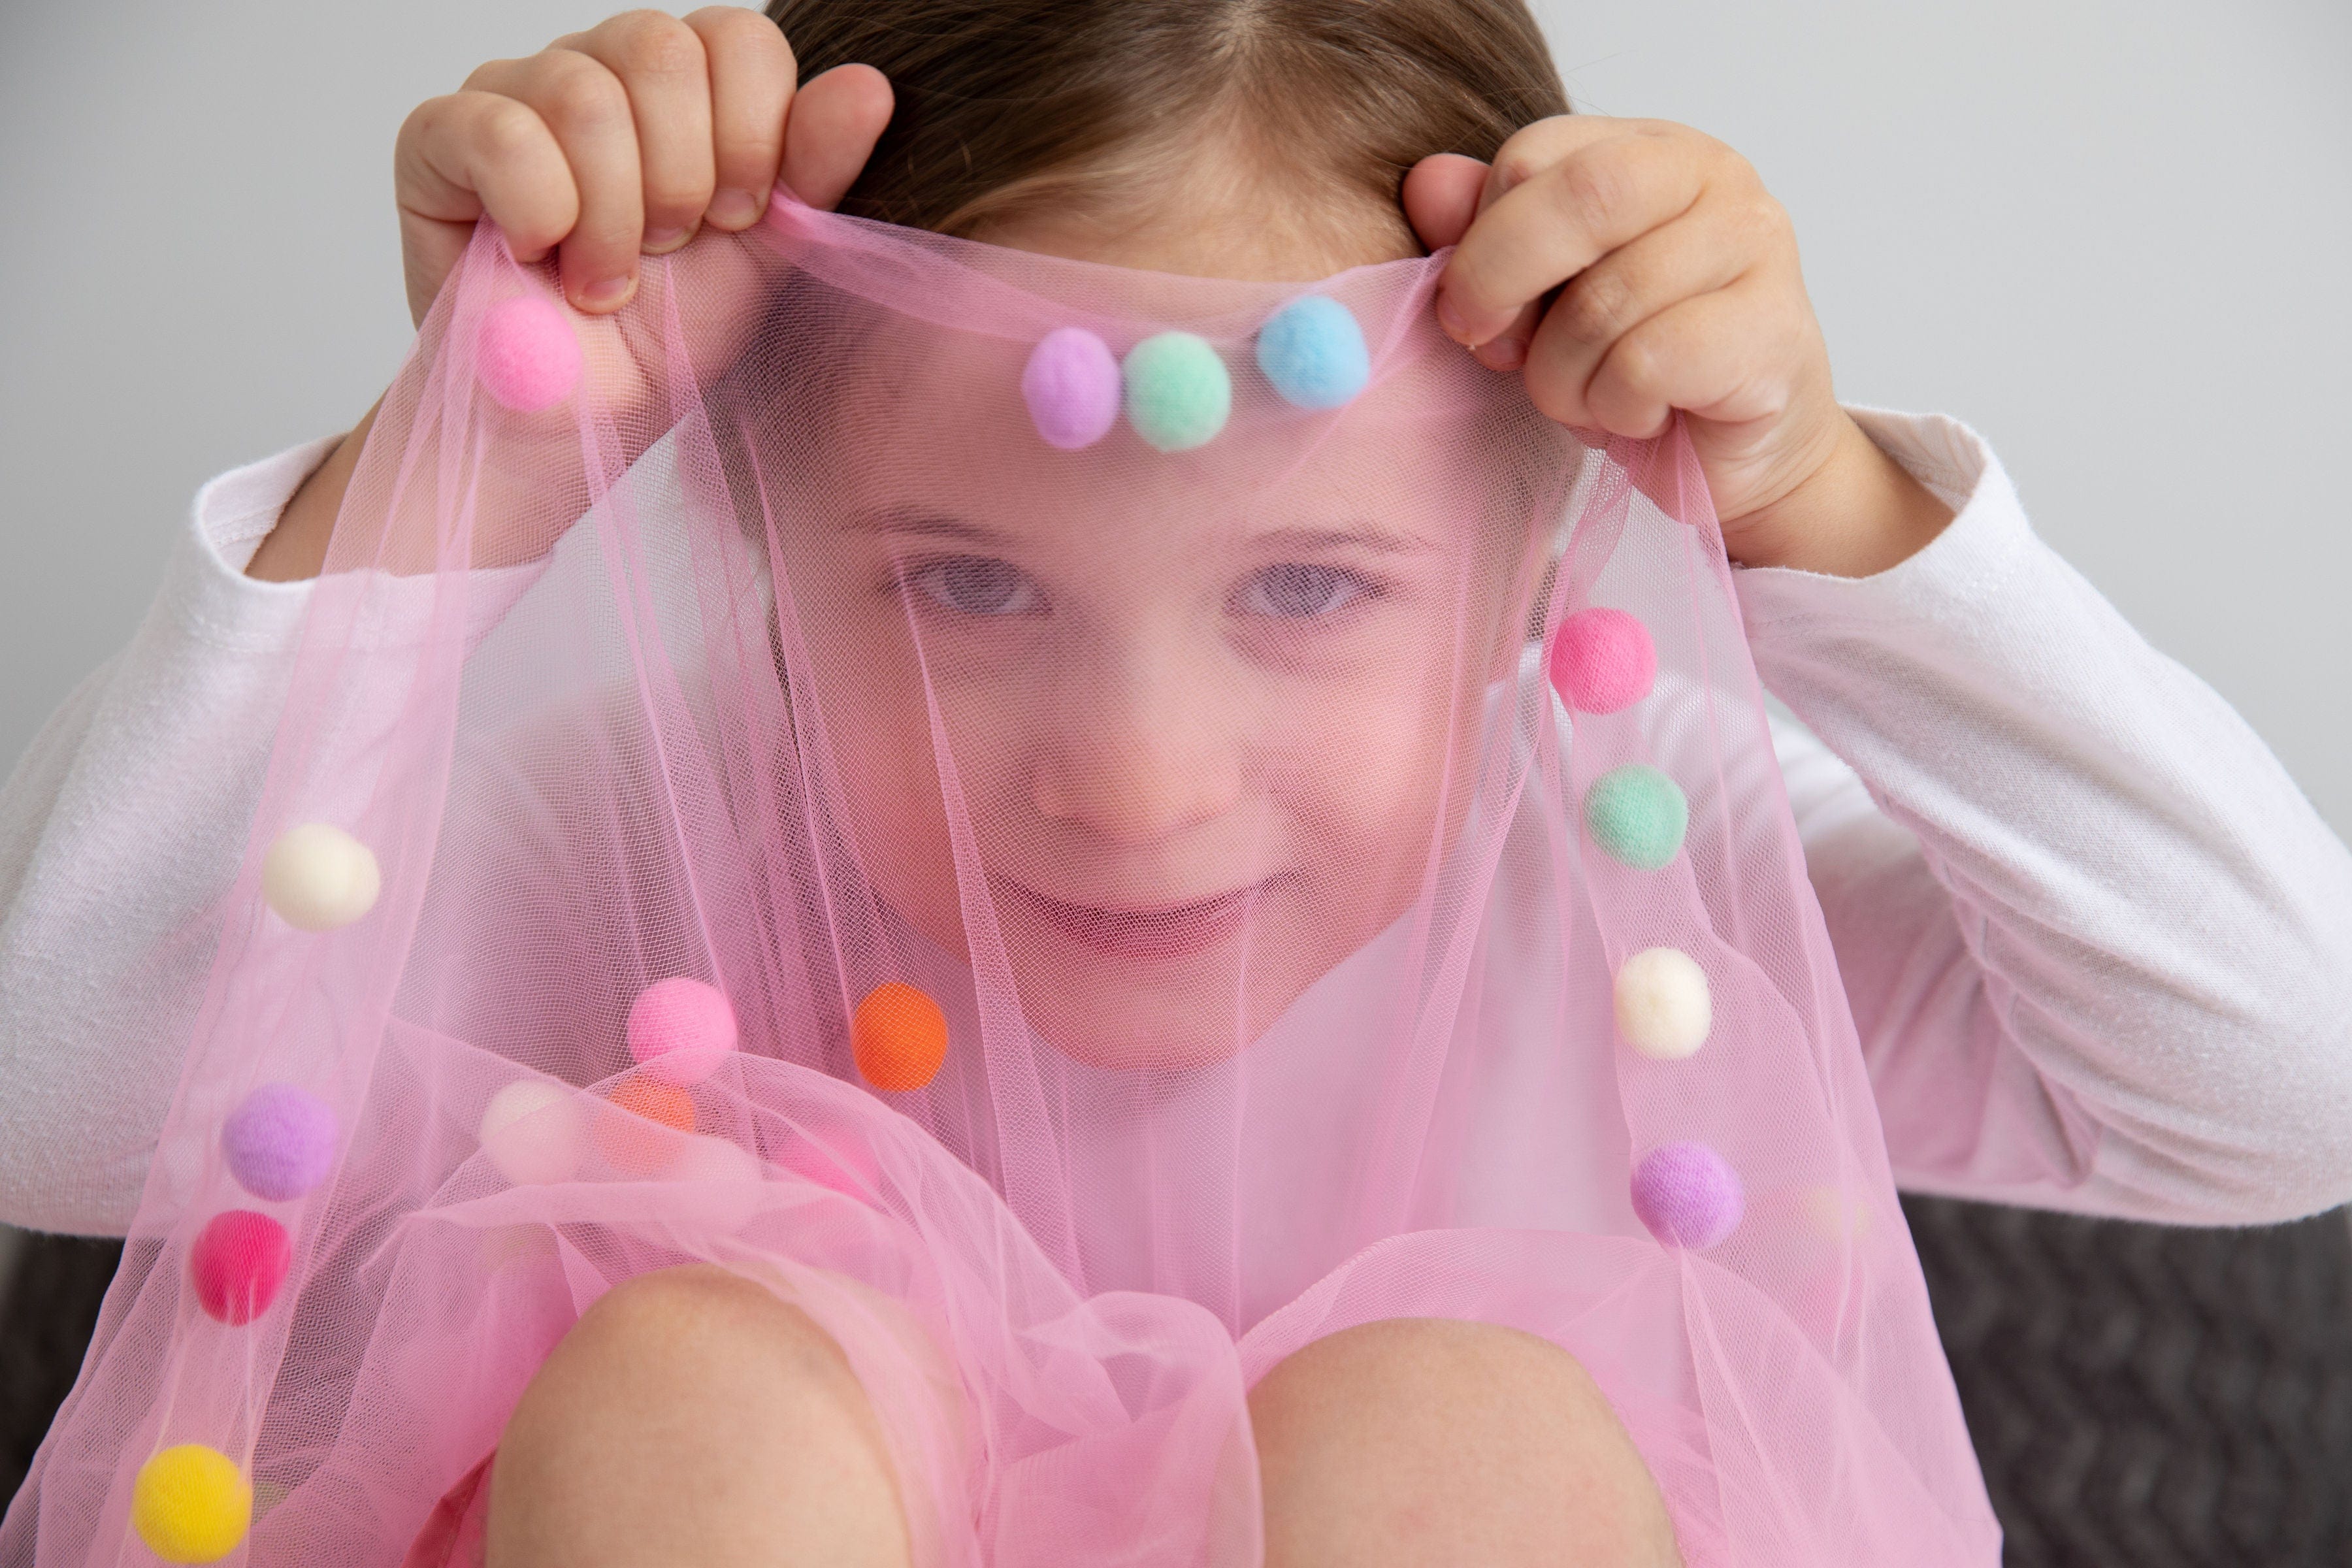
{"x": 1678, "y": 287}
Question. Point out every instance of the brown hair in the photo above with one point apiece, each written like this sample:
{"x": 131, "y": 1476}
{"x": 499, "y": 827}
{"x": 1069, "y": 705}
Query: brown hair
{"x": 1009, "y": 107}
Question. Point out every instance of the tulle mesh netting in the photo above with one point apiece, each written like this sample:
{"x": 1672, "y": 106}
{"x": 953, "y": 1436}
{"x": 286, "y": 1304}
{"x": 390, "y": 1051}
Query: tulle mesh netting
{"x": 1089, "y": 828}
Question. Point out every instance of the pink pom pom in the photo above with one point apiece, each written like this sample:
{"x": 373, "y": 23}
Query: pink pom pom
{"x": 835, "y": 1158}
{"x": 529, "y": 357}
{"x": 680, "y": 1030}
{"x": 1687, "y": 1195}
{"x": 1602, "y": 661}
{"x": 240, "y": 1260}
{"x": 1072, "y": 387}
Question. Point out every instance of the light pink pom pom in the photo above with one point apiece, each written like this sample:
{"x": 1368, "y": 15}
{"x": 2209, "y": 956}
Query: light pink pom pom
{"x": 680, "y": 1030}
{"x": 529, "y": 356}
{"x": 1602, "y": 661}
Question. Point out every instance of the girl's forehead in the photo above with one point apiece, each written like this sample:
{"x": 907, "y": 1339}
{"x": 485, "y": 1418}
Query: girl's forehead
{"x": 928, "y": 419}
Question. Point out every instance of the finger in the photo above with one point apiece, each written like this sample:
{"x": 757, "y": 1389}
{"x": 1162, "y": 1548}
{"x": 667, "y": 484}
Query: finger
{"x": 752, "y": 76}
{"x": 1441, "y": 196}
{"x": 468, "y": 155}
{"x": 1708, "y": 248}
{"x": 835, "y": 121}
{"x": 661, "y": 66}
{"x": 587, "y": 108}
{"x": 1724, "y": 356}
{"x": 1558, "y": 221}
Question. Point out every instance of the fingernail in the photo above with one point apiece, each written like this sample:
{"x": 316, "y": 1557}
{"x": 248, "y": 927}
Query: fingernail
{"x": 734, "y": 209}
{"x": 661, "y": 239}
{"x": 609, "y": 293}
{"x": 1503, "y": 353}
{"x": 1451, "y": 320}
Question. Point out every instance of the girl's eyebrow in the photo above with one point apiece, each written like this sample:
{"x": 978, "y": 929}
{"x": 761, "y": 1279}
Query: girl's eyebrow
{"x": 916, "y": 520}
{"x": 1365, "y": 536}
{"x": 1369, "y": 537}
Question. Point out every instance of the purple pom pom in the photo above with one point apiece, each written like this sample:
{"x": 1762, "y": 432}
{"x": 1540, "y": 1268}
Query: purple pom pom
{"x": 1071, "y": 386}
{"x": 530, "y": 358}
{"x": 1602, "y": 661}
{"x": 279, "y": 1143}
{"x": 1687, "y": 1195}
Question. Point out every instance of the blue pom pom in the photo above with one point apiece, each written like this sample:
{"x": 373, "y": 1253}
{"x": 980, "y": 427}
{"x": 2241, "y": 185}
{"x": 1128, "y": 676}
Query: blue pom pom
{"x": 1313, "y": 351}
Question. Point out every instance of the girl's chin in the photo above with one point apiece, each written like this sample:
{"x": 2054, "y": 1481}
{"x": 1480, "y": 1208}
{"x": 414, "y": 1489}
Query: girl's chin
{"x": 1155, "y": 1012}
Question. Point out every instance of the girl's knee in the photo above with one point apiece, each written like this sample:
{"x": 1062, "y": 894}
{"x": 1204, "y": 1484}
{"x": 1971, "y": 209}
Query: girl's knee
{"x": 1413, "y": 1440}
{"x": 691, "y": 1415}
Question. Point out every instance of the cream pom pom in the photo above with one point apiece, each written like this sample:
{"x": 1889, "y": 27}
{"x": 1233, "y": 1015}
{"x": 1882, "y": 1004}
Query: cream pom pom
{"x": 1664, "y": 1009}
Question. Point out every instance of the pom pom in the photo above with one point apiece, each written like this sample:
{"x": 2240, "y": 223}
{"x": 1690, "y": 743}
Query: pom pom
{"x": 318, "y": 877}
{"x": 532, "y": 1133}
{"x": 1178, "y": 393}
{"x": 529, "y": 356}
{"x": 1313, "y": 351}
{"x": 1833, "y": 1213}
{"x": 833, "y": 1158}
{"x": 240, "y": 1260}
{"x": 1664, "y": 1009}
{"x": 1071, "y": 386}
{"x": 680, "y": 1030}
{"x": 279, "y": 1142}
{"x": 1603, "y": 661}
{"x": 636, "y": 1131}
{"x": 1637, "y": 815}
{"x": 1687, "y": 1195}
{"x": 190, "y": 1504}
{"x": 900, "y": 1036}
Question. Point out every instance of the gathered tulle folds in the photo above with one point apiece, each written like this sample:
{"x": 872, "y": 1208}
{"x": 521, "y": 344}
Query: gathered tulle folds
{"x": 1087, "y": 829}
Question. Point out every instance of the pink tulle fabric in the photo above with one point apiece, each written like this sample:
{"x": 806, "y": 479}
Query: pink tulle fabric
{"x": 1216, "y": 794}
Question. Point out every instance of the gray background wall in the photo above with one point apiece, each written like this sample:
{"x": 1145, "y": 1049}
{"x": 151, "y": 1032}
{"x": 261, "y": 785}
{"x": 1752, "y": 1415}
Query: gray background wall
{"x": 2112, "y": 234}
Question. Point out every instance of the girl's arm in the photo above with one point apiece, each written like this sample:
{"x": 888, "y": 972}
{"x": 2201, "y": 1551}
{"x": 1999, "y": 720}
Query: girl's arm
{"x": 117, "y": 829}
{"x": 2098, "y": 945}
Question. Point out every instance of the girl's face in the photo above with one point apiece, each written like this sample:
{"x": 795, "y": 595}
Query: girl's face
{"x": 1195, "y": 724}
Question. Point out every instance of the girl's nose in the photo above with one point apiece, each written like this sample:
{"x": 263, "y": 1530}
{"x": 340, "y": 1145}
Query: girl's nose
{"x": 1147, "y": 749}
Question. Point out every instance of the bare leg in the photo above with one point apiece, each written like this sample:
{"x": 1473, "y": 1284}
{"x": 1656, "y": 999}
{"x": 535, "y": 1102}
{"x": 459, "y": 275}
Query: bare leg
{"x": 692, "y": 1417}
{"x": 1415, "y": 1442}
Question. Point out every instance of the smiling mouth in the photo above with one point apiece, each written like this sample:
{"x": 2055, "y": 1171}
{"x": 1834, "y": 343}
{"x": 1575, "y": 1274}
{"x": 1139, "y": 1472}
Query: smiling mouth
{"x": 1168, "y": 931}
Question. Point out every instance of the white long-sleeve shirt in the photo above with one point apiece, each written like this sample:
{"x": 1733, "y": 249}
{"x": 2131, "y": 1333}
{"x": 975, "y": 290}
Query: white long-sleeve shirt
{"x": 2098, "y": 945}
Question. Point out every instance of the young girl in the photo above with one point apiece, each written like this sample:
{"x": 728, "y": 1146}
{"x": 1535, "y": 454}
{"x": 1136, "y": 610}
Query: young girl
{"x": 2091, "y": 938}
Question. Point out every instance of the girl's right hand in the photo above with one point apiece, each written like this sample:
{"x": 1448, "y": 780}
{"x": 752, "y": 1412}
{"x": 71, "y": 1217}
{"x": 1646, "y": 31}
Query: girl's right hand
{"x": 607, "y": 145}
{"x": 625, "y": 140}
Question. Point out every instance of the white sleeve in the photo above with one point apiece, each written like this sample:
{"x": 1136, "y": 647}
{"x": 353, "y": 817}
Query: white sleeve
{"x": 119, "y": 827}
{"x": 2098, "y": 945}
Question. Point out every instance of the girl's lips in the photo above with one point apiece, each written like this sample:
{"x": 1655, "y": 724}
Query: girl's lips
{"x": 1170, "y": 930}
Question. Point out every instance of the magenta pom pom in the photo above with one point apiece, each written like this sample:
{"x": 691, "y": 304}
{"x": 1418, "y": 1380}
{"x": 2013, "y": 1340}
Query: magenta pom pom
{"x": 1687, "y": 1195}
{"x": 1602, "y": 661}
{"x": 1071, "y": 386}
{"x": 680, "y": 1030}
{"x": 239, "y": 1262}
{"x": 529, "y": 357}
{"x": 279, "y": 1142}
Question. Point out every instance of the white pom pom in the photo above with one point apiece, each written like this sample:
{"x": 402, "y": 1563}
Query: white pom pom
{"x": 318, "y": 877}
{"x": 1664, "y": 1009}
{"x": 533, "y": 1132}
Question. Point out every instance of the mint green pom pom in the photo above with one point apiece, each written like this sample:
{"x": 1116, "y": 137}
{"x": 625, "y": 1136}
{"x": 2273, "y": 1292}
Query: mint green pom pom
{"x": 1178, "y": 393}
{"x": 1637, "y": 815}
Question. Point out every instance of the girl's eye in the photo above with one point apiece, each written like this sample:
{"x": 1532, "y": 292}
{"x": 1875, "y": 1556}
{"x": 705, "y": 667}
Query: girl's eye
{"x": 1295, "y": 591}
{"x": 977, "y": 586}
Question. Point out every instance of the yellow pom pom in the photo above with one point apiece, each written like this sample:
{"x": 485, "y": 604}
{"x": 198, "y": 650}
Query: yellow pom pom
{"x": 190, "y": 1504}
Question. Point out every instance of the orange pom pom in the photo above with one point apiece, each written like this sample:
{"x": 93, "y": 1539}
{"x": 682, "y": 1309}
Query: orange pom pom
{"x": 900, "y": 1036}
{"x": 633, "y": 1131}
